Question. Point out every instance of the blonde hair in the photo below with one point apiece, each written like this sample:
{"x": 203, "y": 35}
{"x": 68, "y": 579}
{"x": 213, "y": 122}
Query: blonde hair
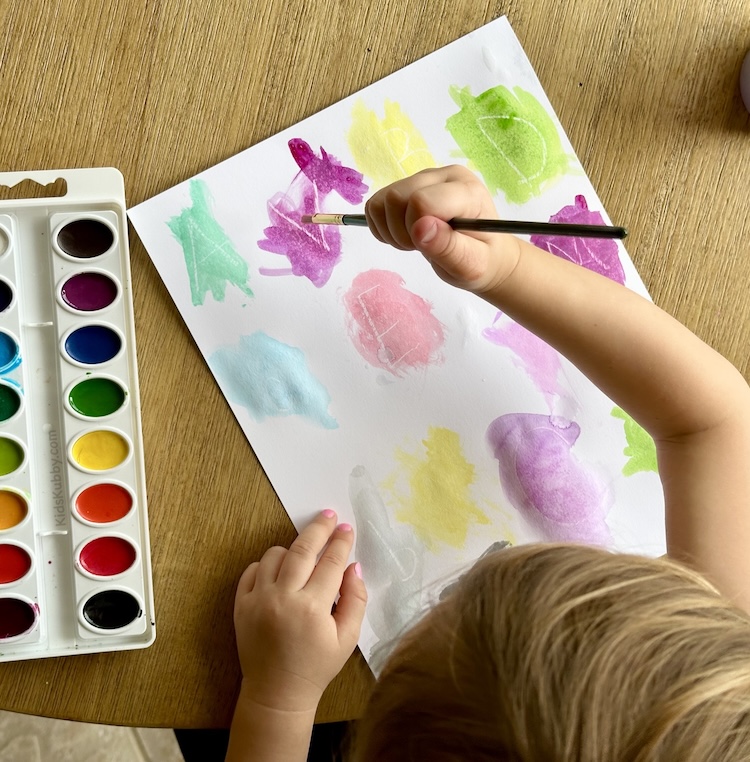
{"x": 564, "y": 652}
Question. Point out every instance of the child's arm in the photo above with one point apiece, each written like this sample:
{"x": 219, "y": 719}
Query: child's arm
{"x": 290, "y": 643}
{"x": 693, "y": 402}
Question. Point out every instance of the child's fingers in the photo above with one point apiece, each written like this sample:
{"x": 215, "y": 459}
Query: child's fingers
{"x": 350, "y": 609}
{"x": 303, "y": 552}
{"x": 325, "y": 581}
{"x": 269, "y": 565}
{"x": 247, "y": 580}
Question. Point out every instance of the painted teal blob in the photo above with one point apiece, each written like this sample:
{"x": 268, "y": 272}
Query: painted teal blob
{"x": 271, "y": 379}
{"x": 10, "y": 354}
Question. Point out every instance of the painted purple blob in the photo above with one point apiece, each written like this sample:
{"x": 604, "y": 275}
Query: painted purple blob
{"x": 327, "y": 173}
{"x": 89, "y": 292}
{"x": 312, "y": 250}
{"x": 544, "y": 480}
{"x": 597, "y": 254}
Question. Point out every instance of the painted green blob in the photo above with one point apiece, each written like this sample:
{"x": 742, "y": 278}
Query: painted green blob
{"x": 210, "y": 257}
{"x": 510, "y": 138}
{"x": 11, "y": 456}
{"x": 96, "y": 397}
{"x": 641, "y": 450}
{"x": 10, "y": 401}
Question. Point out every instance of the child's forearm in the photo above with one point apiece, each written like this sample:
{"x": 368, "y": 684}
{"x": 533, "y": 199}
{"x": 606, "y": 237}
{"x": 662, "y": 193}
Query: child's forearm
{"x": 259, "y": 733}
{"x": 660, "y": 372}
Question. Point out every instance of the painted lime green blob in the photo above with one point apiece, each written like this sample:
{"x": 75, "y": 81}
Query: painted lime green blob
{"x": 11, "y": 456}
{"x": 210, "y": 257}
{"x": 641, "y": 450}
{"x": 438, "y": 503}
{"x": 386, "y": 149}
{"x": 510, "y": 139}
{"x": 96, "y": 397}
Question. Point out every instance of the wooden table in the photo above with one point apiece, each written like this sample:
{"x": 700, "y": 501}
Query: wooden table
{"x": 162, "y": 89}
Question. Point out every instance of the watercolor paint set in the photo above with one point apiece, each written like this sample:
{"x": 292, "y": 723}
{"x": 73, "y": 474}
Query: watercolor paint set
{"x": 75, "y": 568}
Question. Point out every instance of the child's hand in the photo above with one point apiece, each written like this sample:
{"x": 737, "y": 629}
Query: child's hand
{"x": 290, "y": 643}
{"x": 414, "y": 213}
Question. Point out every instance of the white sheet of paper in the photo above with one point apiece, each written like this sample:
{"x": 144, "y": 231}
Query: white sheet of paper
{"x": 366, "y": 384}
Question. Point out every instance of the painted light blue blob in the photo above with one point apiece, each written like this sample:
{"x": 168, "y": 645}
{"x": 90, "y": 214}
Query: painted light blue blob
{"x": 10, "y": 353}
{"x": 93, "y": 344}
{"x": 271, "y": 379}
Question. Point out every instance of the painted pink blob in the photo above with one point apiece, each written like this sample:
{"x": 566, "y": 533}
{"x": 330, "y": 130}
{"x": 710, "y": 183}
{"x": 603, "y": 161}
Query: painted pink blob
{"x": 312, "y": 250}
{"x": 598, "y": 254}
{"x": 544, "y": 480}
{"x": 391, "y": 327}
{"x": 536, "y": 357}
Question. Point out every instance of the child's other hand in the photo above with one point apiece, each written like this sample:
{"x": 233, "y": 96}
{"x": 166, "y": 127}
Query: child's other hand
{"x": 413, "y": 214}
{"x": 291, "y": 645}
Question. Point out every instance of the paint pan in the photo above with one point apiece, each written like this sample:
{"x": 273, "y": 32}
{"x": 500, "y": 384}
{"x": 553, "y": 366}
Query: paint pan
{"x": 75, "y": 565}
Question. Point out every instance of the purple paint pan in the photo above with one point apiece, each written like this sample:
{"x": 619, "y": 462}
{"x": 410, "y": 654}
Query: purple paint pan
{"x": 89, "y": 291}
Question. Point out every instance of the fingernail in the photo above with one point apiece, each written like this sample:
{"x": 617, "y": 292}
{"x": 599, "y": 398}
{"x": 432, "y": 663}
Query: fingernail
{"x": 358, "y": 569}
{"x": 328, "y": 513}
{"x": 430, "y": 234}
{"x": 344, "y": 527}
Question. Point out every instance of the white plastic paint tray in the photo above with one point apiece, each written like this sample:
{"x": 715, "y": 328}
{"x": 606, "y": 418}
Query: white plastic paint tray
{"x": 75, "y": 568}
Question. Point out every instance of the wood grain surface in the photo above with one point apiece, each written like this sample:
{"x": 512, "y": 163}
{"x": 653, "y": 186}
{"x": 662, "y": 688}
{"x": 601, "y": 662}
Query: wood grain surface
{"x": 162, "y": 89}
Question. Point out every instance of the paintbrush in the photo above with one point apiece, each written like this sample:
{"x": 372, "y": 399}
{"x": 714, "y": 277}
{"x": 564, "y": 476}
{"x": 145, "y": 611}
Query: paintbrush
{"x": 489, "y": 226}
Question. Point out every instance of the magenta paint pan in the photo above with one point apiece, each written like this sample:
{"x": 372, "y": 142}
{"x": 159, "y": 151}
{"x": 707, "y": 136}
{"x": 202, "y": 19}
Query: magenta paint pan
{"x": 73, "y": 508}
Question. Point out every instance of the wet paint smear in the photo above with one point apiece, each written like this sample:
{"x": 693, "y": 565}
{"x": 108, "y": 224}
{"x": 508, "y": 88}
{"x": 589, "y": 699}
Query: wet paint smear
{"x": 11, "y": 456}
{"x": 85, "y": 239}
{"x": 6, "y": 295}
{"x": 100, "y": 450}
{"x": 392, "y": 562}
{"x": 271, "y": 379}
{"x": 387, "y": 149}
{"x": 10, "y": 402}
{"x": 537, "y": 358}
{"x": 10, "y": 354}
{"x": 96, "y": 397}
{"x": 93, "y": 344}
{"x": 104, "y": 503}
{"x": 111, "y": 609}
{"x": 16, "y": 617}
{"x": 510, "y": 139}
{"x": 312, "y": 250}
{"x": 545, "y": 482}
{"x": 13, "y": 509}
{"x": 210, "y": 256}
{"x": 89, "y": 292}
{"x": 15, "y": 563}
{"x": 597, "y": 254}
{"x": 438, "y": 501}
{"x": 391, "y": 327}
{"x": 641, "y": 449}
{"x": 107, "y": 556}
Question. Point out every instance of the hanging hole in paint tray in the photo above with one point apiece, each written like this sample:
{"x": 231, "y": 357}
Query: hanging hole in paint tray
{"x": 32, "y": 189}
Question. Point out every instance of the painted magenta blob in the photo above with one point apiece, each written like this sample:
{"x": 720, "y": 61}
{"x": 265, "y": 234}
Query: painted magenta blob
{"x": 17, "y": 617}
{"x": 10, "y": 354}
{"x": 11, "y": 455}
{"x": 100, "y": 450}
{"x": 89, "y": 291}
{"x": 13, "y": 509}
{"x": 93, "y": 344}
{"x": 107, "y": 556}
{"x": 85, "y": 238}
{"x": 6, "y": 294}
{"x": 103, "y": 503}
{"x": 96, "y": 397}
{"x": 10, "y": 402}
{"x": 15, "y": 563}
{"x": 111, "y": 609}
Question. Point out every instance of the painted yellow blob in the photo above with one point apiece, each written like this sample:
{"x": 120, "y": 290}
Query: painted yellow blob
{"x": 100, "y": 450}
{"x": 438, "y": 504}
{"x": 388, "y": 149}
